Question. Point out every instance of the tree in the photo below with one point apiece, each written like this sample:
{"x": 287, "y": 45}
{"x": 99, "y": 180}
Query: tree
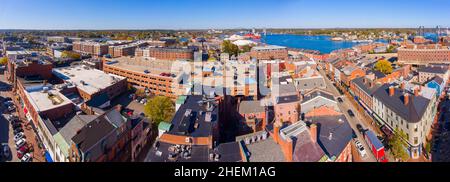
{"x": 246, "y": 48}
{"x": 398, "y": 145}
{"x": 159, "y": 109}
{"x": 230, "y": 48}
{"x": 3, "y": 60}
{"x": 384, "y": 66}
{"x": 69, "y": 54}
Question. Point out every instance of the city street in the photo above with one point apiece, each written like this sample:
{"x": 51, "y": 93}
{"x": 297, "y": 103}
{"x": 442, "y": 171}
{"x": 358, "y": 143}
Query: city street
{"x": 6, "y": 130}
{"x": 345, "y": 106}
{"x": 7, "y": 133}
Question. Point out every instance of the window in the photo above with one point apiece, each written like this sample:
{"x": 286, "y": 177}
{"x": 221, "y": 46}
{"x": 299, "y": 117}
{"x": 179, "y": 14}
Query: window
{"x": 416, "y": 140}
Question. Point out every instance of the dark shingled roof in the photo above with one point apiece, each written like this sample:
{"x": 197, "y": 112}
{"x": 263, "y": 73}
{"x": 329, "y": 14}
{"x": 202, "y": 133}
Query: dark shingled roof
{"x": 412, "y": 112}
{"x": 92, "y": 133}
{"x": 229, "y": 152}
{"x": 287, "y": 99}
{"x": 317, "y": 93}
{"x": 365, "y": 86}
{"x": 184, "y": 126}
{"x": 433, "y": 69}
{"x": 335, "y": 126}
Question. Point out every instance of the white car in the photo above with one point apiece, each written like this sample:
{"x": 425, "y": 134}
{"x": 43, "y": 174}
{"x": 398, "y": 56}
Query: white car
{"x": 21, "y": 143}
{"x": 26, "y": 158}
{"x": 360, "y": 148}
{"x": 19, "y": 136}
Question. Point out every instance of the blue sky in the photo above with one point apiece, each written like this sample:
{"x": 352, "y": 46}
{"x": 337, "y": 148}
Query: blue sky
{"x": 205, "y": 14}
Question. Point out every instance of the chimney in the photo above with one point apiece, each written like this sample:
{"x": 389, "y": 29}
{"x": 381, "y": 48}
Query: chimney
{"x": 276, "y": 132}
{"x": 118, "y": 108}
{"x": 406, "y": 99}
{"x": 416, "y": 92}
{"x": 391, "y": 91}
{"x": 313, "y": 131}
{"x": 402, "y": 85}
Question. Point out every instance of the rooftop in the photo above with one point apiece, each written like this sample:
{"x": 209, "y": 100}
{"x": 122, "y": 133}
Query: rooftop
{"x": 434, "y": 69}
{"x": 265, "y": 151}
{"x": 334, "y": 133}
{"x": 317, "y": 93}
{"x": 195, "y": 118}
{"x": 144, "y": 65}
{"x": 247, "y": 107}
{"x": 87, "y": 79}
{"x": 45, "y": 98}
{"x": 412, "y": 112}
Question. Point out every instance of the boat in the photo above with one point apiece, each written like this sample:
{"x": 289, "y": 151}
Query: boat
{"x": 337, "y": 39}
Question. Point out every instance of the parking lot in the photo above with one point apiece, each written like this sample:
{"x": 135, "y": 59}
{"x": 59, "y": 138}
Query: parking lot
{"x": 19, "y": 136}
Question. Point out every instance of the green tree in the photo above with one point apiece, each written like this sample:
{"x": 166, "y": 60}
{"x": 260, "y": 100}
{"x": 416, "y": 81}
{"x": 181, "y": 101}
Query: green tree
{"x": 69, "y": 54}
{"x": 3, "y": 60}
{"x": 246, "y": 48}
{"x": 159, "y": 109}
{"x": 384, "y": 66}
{"x": 230, "y": 48}
{"x": 398, "y": 145}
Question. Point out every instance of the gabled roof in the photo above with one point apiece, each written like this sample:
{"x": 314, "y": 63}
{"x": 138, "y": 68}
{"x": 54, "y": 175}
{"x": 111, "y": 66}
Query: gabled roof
{"x": 334, "y": 133}
{"x": 305, "y": 149}
{"x": 317, "y": 93}
{"x": 412, "y": 113}
{"x": 365, "y": 85}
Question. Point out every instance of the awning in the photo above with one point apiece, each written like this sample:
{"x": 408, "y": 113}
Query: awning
{"x": 48, "y": 158}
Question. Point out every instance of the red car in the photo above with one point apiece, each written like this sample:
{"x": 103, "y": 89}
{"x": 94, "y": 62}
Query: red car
{"x": 22, "y": 151}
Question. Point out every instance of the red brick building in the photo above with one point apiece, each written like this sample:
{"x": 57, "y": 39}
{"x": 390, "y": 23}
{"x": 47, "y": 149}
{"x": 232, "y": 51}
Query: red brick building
{"x": 171, "y": 53}
{"x": 269, "y": 53}
{"x": 424, "y": 54}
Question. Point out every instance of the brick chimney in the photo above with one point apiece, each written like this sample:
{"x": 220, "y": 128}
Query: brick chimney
{"x": 402, "y": 86}
{"x": 391, "y": 91}
{"x": 406, "y": 99}
{"x": 313, "y": 131}
{"x": 416, "y": 92}
{"x": 276, "y": 132}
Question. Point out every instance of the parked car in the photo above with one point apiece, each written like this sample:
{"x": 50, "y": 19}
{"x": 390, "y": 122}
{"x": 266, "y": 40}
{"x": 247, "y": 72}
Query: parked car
{"x": 350, "y": 113}
{"x": 21, "y": 143}
{"x": 11, "y": 108}
{"x": 19, "y": 136}
{"x": 340, "y": 99}
{"x": 6, "y": 152}
{"x": 360, "y": 128}
{"x": 8, "y": 103}
{"x": 16, "y": 125}
{"x": 22, "y": 151}
{"x": 26, "y": 158}
{"x": 18, "y": 130}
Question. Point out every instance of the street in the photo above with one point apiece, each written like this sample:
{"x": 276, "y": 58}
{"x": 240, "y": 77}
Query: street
{"x": 7, "y": 133}
{"x": 353, "y": 121}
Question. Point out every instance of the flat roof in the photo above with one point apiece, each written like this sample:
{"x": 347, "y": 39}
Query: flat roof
{"x": 265, "y": 151}
{"x": 43, "y": 101}
{"x": 87, "y": 79}
{"x": 192, "y": 112}
{"x": 141, "y": 64}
